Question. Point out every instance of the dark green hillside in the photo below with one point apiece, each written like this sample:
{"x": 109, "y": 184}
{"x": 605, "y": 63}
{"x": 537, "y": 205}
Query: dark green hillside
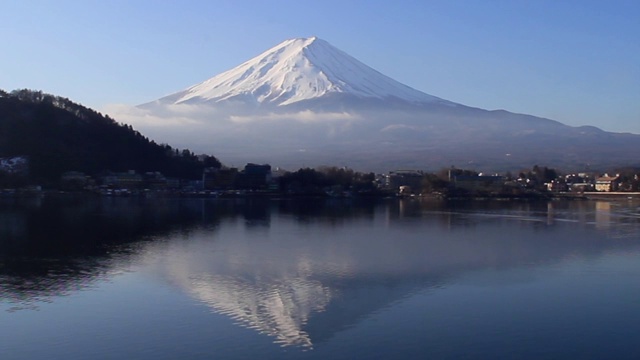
{"x": 59, "y": 135}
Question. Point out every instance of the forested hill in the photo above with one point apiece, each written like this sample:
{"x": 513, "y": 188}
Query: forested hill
{"x": 58, "y": 135}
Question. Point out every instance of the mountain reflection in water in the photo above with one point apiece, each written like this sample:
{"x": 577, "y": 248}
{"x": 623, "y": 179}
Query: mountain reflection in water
{"x": 297, "y": 271}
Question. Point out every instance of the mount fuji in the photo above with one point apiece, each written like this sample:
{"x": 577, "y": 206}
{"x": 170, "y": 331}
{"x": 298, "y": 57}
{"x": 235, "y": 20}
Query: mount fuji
{"x": 306, "y": 103}
{"x": 299, "y": 70}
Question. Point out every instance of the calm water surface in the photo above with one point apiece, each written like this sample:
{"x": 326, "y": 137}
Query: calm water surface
{"x": 245, "y": 279}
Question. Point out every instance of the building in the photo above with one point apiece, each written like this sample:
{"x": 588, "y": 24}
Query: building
{"x": 75, "y": 180}
{"x": 219, "y": 179}
{"x": 124, "y": 180}
{"x": 155, "y": 180}
{"x": 411, "y": 178}
{"x": 607, "y": 183}
{"x": 581, "y": 187}
{"x": 254, "y": 177}
{"x": 557, "y": 186}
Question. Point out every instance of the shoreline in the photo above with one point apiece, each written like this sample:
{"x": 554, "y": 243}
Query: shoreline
{"x": 611, "y": 196}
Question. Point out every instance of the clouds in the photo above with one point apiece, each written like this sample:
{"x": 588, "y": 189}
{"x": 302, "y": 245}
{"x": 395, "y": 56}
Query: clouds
{"x": 372, "y": 137}
{"x": 306, "y": 116}
{"x": 172, "y": 115}
{"x": 165, "y": 118}
{"x": 395, "y": 127}
{"x": 236, "y": 134}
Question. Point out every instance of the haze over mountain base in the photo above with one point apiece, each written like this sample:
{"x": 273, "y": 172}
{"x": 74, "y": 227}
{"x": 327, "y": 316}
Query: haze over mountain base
{"x": 383, "y": 139}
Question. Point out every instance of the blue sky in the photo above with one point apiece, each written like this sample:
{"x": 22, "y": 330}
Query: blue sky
{"x": 577, "y": 62}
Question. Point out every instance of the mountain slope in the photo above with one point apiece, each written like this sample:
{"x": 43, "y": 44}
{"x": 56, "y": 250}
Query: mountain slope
{"x": 58, "y": 135}
{"x": 297, "y": 70}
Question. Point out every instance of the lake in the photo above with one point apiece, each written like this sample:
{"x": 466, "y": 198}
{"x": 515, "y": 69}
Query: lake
{"x": 129, "y": 278}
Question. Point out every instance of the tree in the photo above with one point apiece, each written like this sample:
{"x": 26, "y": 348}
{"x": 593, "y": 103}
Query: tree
{"x": 59, "y": 136}
{"x": 433, "y": 183}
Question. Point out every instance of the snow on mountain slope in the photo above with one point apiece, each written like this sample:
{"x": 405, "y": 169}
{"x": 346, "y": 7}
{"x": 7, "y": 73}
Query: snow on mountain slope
{"x": 296, "y": 70}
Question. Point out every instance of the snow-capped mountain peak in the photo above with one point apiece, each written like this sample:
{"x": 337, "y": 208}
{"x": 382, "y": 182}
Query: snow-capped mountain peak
{"x": 295, "y": 70}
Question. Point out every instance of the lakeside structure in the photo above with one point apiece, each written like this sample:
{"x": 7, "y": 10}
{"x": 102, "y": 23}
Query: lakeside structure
{"x": 607, "y": 183}
{"x": 335, "y": 182}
